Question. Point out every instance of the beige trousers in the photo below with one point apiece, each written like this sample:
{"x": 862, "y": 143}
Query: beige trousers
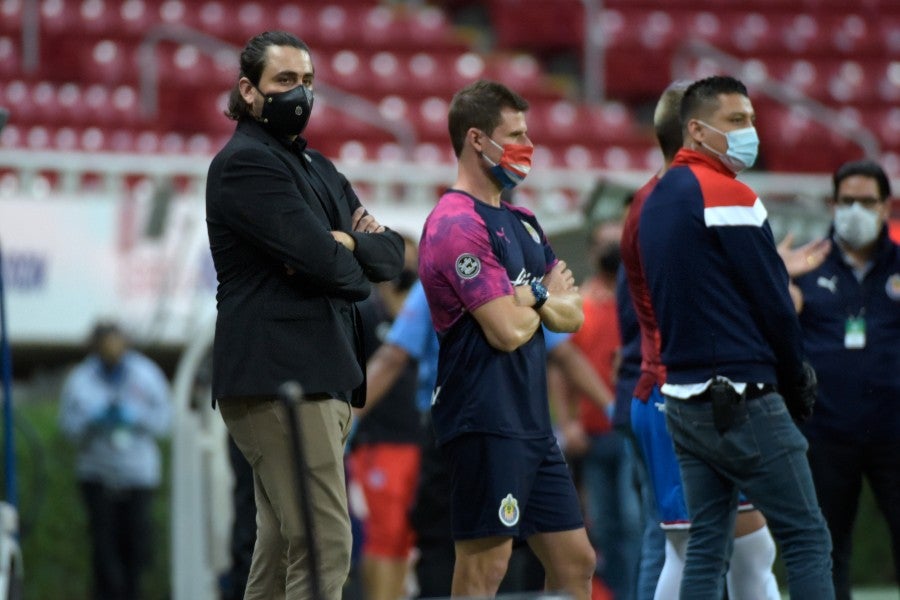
{"x": 280, "y": 568}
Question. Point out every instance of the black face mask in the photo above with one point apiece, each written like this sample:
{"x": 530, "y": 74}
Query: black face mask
{"x": 609, "y": 259}
{"x": 287, "y": 113}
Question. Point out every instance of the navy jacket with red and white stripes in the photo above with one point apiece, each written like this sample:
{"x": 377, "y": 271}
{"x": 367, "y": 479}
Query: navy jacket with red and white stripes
{"x": 717, "y": 285}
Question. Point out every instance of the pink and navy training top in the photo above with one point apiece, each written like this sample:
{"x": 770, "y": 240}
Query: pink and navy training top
{"x": 471, "y": 253}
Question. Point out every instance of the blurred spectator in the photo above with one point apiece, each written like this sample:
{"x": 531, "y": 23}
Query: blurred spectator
{"x": 607, "y": 469}
{"x": 114, "y": 405}
{"x": 850, "y": 317}
{"x": 385, "y": 449}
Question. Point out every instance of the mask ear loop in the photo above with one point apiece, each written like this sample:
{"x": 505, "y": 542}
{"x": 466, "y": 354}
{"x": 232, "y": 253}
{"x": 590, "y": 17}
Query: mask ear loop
{"x": 485, "y": 156}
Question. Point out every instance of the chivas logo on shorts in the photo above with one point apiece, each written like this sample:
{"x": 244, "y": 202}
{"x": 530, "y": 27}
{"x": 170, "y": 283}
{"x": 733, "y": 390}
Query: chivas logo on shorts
{"x": 509, "y": 511}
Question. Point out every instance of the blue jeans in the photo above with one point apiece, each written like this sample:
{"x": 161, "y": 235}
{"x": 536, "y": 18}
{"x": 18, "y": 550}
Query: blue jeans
{"x": 613, "y": 510}
{"x": 764, "y": 455}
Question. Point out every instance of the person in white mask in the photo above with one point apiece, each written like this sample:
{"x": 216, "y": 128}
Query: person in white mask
{"x": 850, "y": 318}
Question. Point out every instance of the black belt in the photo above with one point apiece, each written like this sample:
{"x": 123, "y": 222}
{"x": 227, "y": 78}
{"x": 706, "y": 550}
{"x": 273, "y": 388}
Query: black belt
{"x": 267, "y": 398}
{"x": 751, "y": 392}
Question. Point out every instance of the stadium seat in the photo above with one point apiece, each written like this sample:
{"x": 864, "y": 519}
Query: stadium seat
{"x": 109, "y": 61}
{"x": 11, "y": 16}
{"x": 432, "y": 153}
{"x": 522, "y": 73}
{"x": 430, "y": 120}
{"x": 388, "y": 74}
{"x": 523, "y": 24}
{"x": 9, "y": 57}
{"x": 136, "y": 17}
{"x": 847, "y": 82}
{"x": 888, "y": 82}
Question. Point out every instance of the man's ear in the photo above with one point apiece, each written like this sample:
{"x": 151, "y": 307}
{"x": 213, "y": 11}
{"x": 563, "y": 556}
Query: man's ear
{"x": 695, "y": 130}
{"x": 247, "y": 90}
{"x": 474, "y": 138}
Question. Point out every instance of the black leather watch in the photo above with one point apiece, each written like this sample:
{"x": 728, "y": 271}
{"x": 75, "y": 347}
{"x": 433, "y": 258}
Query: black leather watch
{"x": 540, "y": 293}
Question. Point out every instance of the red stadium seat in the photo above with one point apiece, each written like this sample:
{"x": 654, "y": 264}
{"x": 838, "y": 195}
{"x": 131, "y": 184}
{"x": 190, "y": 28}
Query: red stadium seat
{"x": 96, "y": 18}
{"x": 847, "y": 82}
{"x": 109, "y": 61}
{"x": 136, "y": 17}
{"x": 388, "y": 74}
{"x": 11, "y": 137}
{"x": 523, "y": 24}
{"x": 348, "y": 70}
{"x": 430, "y": 120}
{"x": 429, "y": 153}
{"x": 11, "y": 16}
{"x": 467, "y": 68}
{"x": 9, "y": 57}
{"x": 522, "y": 73}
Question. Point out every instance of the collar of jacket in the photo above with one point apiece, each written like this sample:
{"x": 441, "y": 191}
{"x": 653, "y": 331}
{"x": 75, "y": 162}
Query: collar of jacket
{"x": 687, "y": 158}
{"x": 255, "y": 129}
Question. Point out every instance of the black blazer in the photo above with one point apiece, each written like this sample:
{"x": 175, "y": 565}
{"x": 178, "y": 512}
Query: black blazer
{"x": 286, "y": 288}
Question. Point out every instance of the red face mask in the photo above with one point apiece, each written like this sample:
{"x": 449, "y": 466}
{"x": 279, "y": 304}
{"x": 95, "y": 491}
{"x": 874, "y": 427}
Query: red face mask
{"x": 514, "y": 165}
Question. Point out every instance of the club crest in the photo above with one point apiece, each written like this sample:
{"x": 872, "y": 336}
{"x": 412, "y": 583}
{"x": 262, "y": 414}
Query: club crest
{"x": 532, "y": 232}
{"x": 468, "y": 266}
{"x": 509, "y": 511}
{"x": 892, "y": 287}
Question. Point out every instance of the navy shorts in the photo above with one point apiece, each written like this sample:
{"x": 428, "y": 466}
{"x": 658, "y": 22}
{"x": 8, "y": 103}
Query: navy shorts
{"x": 509, "y": 487}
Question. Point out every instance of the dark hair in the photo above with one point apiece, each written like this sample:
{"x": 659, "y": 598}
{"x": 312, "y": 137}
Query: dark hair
{"x": 101, "y": 331}
{"x": 667, "y": 119}
{"x": 609, "y": 257}
{"x": 702, "y": 97}
{"x": 479, "y": 105}
{"x": 866, "y": 168}
{"x": 253, "y": 63}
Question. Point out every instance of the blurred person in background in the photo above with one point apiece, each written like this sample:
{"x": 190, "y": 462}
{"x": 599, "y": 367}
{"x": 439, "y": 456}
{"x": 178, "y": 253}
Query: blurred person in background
{"x": 606, "y": 469}
{"x": 730, "y": 342}
{"x": 850, "y": 317}
{"x": 114, "y": 406}
{"x": 294, "y": 250}
{"x": 385, "y": 449}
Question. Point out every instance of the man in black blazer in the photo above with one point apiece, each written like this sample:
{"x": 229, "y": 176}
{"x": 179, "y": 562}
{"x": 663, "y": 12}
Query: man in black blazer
{"x": 294, "y": 250}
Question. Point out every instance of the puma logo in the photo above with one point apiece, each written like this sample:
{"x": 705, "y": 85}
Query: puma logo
{"x": 828, "y": 284}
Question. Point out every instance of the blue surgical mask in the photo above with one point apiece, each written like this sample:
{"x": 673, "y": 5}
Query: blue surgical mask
{"x": 743, "y": 145}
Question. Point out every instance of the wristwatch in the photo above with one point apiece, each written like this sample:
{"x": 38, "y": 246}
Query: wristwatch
{"x": 540, "y": 293}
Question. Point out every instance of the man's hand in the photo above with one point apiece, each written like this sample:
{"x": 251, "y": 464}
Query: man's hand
{"x": 801, "y": 398}
{"x": 344, "y": 239}
{"x": 363, "y": 222}
{"x": 575, "y": 439}
{"x": 802, "y": 260}
{"x": 559, "y": 279}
